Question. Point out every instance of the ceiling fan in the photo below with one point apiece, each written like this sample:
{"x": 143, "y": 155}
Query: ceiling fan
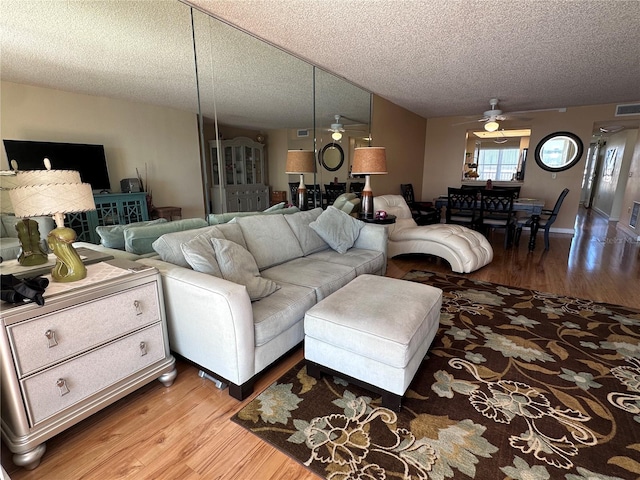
{"x": 338, "y": 127}
{"x": 491, "y": 117}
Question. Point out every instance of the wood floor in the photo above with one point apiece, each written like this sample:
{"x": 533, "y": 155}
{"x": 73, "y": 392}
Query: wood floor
{"x": 184, "y": 432}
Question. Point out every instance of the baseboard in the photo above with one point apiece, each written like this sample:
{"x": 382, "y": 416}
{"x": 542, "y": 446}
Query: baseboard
{"x": 567, "y": 231}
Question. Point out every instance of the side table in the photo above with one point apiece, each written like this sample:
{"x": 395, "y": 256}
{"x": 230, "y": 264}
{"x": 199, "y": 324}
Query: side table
{"x": 170, "y": 213}
{"x": 388, "y": 220}
{"x": 93, "y": 342}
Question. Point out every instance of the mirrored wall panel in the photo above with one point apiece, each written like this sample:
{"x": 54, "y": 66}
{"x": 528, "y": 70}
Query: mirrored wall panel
{"x": 257, "y": 102}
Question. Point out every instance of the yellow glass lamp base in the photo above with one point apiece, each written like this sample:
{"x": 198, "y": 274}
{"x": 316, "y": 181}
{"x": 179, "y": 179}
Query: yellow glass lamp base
{"x": 69, "y": 266}
{"x": 29, "y": 236}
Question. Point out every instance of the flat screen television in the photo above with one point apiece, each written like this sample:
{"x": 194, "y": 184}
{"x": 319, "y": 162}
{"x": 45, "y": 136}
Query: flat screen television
{"x": 88, "y": 160}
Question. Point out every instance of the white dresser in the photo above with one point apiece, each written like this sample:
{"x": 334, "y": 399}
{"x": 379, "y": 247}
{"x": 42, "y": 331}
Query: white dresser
{"x": 93, "y": 342}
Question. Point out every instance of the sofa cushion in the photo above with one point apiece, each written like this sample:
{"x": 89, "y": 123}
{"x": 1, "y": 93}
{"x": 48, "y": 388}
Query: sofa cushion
{"x": 233, "y": 232}
{"x": 337, "y": 228}
{"x": 9, "y": 223}
{"x": 348, "y": 203}
{"x": 309, "y": 240}
{"x": 169, "y": 245}
{"x": 363, "y": 260}
{"x": 279, "y": 311}
{"x": 218, "y": 218}
{"x": 112, "y": 236}
{"x": 324, "y": 277}
{"x": 273, "y": 208}
{"x": 238, "y": 265}
{"x": 199, "y": 254}
{"x": 139, "y": 240}
{"x": 269, "y": 239}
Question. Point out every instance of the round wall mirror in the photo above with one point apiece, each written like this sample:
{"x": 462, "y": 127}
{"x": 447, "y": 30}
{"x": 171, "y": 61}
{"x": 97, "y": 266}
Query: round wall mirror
{"x": 558, "y": 151}
{"x": 332, "y": 157}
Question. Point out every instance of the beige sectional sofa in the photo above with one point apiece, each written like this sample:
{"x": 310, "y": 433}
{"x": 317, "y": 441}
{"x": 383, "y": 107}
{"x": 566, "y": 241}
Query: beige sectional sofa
{"x": 296, "y": 260}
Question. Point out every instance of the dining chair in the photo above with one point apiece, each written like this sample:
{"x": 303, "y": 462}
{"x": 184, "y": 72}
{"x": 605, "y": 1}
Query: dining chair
{"x": 314, "y": 196}
{"x": 496, "y": 211}
{"x": 515, "y": 190}
{"x": 293, "y": 189}
{"x": 423, "y": 213}
{"x": 356, "y": 187}
{"x": 332, "y": 191}
{"x": 546, "y": 220}
{"x": 462, "y": 207}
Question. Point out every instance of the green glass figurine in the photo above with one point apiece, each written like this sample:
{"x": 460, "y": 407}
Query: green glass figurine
{"x": 29, "y": 235}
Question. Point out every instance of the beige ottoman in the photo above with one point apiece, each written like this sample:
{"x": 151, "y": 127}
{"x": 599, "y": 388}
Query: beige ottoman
{"x": 374, "y": 332}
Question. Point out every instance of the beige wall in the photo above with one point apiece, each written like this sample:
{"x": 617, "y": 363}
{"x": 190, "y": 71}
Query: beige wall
{"x": 402, "y": 133}
{"x": 445, "y": 146}
{"x": 133, "y": 134}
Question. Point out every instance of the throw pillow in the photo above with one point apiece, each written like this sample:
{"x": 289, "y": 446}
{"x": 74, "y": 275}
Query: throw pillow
{"x": 310, "y": 241}
{"x": 238, "y": 265}
{"x": 112, "y": 236}
{"x": 200, "y": 256}
{"x": 277, "y": 206}
{"x": 337, "y": 228}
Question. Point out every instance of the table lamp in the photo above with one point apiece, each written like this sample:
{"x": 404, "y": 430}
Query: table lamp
{"x": 54, "y": 193}
{"x": 300, "y": 161}
{"x": 32, "y": 251}
{"x": 368, "y": 161}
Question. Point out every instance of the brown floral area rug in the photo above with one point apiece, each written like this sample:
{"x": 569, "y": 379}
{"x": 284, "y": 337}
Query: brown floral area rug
{"x": 518, "y": 384}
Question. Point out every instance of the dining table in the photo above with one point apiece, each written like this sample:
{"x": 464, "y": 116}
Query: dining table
{"x": 532, "y": 206}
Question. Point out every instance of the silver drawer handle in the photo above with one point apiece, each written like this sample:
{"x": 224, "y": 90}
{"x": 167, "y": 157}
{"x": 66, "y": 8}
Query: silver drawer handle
{"x": 138, "y": 307}
{"x": 51, "y": 338}
{"x": 62, "y": 386}
{"x": 143, "y": 349}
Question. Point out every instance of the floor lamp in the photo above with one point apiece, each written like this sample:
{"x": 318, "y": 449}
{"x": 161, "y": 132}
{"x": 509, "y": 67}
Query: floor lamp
{"x": 300, "y": 161}
{"x": 54, "y": 193}
{"x": 368, "y": 161}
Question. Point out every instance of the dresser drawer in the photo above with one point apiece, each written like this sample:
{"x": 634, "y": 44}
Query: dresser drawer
{"x": 45, "y": 340}
{"x": 52, "y": 390}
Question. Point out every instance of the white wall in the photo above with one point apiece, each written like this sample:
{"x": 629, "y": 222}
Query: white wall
{"x": 133, "y": 134}
{"x": 610, "y": 188}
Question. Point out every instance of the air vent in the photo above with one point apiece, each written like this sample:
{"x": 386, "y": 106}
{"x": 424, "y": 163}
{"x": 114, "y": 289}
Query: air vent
{"x": 628, "y": 109}
{"x": 303, "y": 133}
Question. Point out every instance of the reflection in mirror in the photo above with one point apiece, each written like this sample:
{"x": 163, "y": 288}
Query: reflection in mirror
{"x": 496, "y": 156}
{"x": 332, "y": 156}
{"x": 335, "y": 96}
{"x": 254, "y": 90}
{"x": 558, "y": 151}
{"x": 251, "y": 89}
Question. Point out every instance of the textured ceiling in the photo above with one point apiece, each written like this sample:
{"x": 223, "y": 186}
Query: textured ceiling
{"x": 448, "y": 57}
{"x": 435, "y": 58}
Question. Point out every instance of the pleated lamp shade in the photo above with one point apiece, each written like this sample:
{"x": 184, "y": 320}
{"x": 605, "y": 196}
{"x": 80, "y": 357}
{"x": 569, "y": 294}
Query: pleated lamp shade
{"x": 50, "y": 192}
{"x": 369, "y": 161}
{"x": 8, "y": 180}
{"x": 300, "y": 161}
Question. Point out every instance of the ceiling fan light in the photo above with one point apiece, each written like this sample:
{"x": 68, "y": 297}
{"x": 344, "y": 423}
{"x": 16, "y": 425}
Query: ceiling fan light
{"x": 336, "y": 136}
{"x": 491, "y": 126}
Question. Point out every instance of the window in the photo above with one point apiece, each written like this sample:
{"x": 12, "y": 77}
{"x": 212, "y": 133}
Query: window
{"x": 498, "y": 163}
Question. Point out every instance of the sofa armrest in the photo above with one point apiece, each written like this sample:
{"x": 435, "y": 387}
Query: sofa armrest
{"x": 373, "y": 237}
{"x": 210, "y": 320}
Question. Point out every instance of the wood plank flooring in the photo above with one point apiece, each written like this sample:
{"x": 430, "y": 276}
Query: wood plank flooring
{"x": 184, "y": 432}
